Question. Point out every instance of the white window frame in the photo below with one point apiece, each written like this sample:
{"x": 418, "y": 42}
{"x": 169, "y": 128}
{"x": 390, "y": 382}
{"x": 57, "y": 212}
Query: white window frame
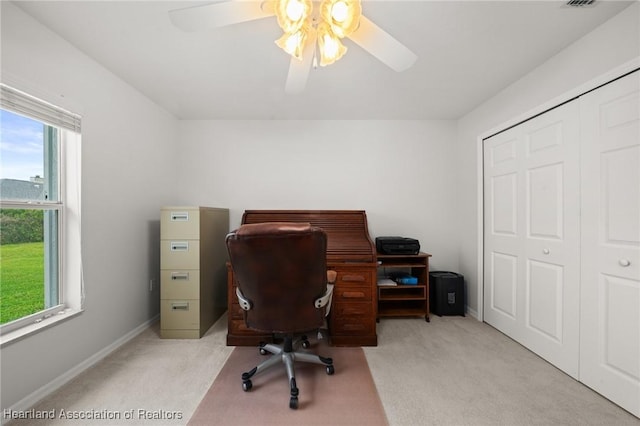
{"x": 69, "y": 268}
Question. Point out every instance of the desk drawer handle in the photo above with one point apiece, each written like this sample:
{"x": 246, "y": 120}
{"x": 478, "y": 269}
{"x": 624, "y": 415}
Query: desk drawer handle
{"x": 353, "y": 278}
{"x": 624, "y": 262}
{"x": 353, "y": 295}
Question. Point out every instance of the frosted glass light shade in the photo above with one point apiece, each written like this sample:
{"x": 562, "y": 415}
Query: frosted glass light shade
{"x": 293, "y": 43}
{"x": 331, "y": 48}
{"x": 343, "y": 16}
{"x": 292, "y": 14}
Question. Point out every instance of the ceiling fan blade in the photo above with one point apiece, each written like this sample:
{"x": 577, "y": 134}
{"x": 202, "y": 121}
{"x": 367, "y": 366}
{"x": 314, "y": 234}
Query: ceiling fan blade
{"x": 217, "y": 15}
{"x": 383, "y": 46}
{"x": 299, "y": 69}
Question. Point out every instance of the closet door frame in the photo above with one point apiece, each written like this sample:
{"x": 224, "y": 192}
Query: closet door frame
{"x": 593, "y": 84}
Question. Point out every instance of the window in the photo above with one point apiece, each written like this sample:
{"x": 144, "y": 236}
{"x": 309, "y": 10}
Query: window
{"x": 40, "y": 271}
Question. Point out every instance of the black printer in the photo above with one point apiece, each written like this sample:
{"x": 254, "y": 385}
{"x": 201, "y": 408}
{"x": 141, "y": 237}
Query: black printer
{"x": 397, "y": 245}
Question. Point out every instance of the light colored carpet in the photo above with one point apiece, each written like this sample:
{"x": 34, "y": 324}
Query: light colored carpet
{"x": 452, "y": 371}
{"x": 458, "y": 371}
{"x": 348, "y": 397}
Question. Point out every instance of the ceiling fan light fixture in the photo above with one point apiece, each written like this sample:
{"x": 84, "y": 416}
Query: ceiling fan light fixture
{"x": 293, "y": 43}
{"x": 328, "y": 24}
{"x": 330, "y": 46}
{"x": 292, "y": 14}
{"x": 303, "y": 36}
{"x": 343, "y": 16}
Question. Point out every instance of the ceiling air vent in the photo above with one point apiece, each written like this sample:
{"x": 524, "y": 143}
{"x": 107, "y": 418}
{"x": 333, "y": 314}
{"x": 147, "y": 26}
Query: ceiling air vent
{"x": 580, "y": 3}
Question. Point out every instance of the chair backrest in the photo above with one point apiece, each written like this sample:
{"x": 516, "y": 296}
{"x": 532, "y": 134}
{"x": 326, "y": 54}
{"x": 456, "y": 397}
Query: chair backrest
{"x": 281, "y": 269}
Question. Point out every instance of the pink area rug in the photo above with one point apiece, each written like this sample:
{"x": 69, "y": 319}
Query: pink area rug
{"x": 348, "y": 397}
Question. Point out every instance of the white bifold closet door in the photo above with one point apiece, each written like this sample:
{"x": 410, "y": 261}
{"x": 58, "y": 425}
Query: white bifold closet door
{"x": 531, "y": 190}
{"x": 610, "y": 292}
{"x": 562, "y": 237}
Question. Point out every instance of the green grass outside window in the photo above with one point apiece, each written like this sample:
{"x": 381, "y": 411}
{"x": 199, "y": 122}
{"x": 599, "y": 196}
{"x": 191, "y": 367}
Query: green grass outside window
{"x": 21, "y": 280}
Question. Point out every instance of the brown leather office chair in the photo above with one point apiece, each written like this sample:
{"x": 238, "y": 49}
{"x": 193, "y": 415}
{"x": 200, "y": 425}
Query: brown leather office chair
{"x": 283, "y": 288}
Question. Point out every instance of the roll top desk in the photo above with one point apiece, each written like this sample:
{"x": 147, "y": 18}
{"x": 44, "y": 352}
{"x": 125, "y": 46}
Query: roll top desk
{"x": 350, "y": 252}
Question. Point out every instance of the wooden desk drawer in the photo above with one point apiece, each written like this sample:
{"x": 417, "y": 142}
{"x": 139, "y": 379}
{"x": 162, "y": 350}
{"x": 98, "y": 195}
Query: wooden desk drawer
{"x": 359, "y": 278}
{"x": 352, "y": 294}
{"x": 339, "y": 310}
{"x": 353, "y": 325}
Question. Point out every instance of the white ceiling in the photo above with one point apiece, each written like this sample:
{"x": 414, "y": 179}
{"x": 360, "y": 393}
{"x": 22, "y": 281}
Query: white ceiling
{"x": 467, "y": 51}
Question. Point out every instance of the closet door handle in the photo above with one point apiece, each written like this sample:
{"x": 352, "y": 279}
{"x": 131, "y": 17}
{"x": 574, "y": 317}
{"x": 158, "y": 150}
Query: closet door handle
{"x": 624, "y": 262}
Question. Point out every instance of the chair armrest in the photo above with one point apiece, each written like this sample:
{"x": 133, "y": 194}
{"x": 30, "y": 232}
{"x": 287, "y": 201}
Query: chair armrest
{"x": 325, "y": 298}
{"x": 245, "y": 303}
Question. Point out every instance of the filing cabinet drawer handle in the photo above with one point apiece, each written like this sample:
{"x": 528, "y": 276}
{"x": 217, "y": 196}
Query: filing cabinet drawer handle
{"x": 353, "y": 294}
{"x": 180, "y": 276}
{"x": 179, "y": 245}
{"x": 353, "y": 278}
{"x": 179, "y": 216}
{"x": 180, "y": 306}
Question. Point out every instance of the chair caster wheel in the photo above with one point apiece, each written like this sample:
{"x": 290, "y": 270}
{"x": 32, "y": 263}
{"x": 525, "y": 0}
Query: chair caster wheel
{"x": 263, "y": 351}
{"x": 330, "y": 370}
{"x": 247, "y": 385}
{"x": 293, "y": 403}
{"x": 306, "y": 344}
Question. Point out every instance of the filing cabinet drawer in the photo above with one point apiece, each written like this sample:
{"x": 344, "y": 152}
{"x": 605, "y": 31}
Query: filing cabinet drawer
{"x": 180, "y": 284}
{"x": 180, "y": 223}
{"x": 180, "y": 254}
{"x": 179, "y": 314}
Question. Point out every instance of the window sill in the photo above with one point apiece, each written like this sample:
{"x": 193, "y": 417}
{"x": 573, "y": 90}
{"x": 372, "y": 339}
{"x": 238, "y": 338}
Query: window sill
{"x": 11, "y": 337}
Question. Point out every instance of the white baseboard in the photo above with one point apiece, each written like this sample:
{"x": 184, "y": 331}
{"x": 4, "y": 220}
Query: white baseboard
{"x": 32, "y": 399}
{"x": 472, "y": 312}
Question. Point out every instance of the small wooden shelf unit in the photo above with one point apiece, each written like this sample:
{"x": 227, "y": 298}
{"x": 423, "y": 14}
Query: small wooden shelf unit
{"x": 404, "y": 300}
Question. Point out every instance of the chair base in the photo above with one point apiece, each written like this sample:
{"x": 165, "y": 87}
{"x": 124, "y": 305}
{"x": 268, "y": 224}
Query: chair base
{"x": 288, "y": 354}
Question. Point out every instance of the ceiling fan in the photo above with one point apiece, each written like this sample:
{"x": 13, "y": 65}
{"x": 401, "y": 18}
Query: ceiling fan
{"x": 306, "y": 23}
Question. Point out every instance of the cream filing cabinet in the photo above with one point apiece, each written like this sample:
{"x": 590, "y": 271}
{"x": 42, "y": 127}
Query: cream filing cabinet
{"x": 193, "y": 256}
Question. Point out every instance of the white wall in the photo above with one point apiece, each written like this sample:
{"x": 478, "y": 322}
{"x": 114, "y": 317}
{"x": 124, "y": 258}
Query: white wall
{"x": 398, "y": 171}
{"x": 609, "y": 46}
{"x": 127, "y": 148}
